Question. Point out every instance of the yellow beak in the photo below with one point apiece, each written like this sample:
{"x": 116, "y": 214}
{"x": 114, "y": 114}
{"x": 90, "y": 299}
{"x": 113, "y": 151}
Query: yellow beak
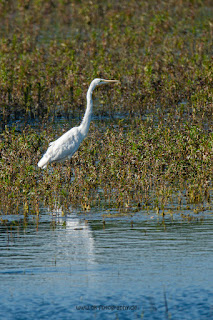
{"x": 117, "y": 81}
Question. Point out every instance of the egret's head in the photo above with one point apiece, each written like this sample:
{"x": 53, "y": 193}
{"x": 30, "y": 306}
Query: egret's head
{"x": 97, "y": 82}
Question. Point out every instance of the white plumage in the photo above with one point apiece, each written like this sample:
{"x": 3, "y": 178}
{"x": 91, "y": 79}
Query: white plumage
{"x": 64, "y": 147}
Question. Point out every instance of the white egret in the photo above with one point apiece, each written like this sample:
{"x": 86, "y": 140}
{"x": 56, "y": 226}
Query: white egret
{"x": 64, "y": 147}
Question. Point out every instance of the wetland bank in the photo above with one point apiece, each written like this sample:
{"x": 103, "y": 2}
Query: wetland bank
{"x": 142, "y": 179}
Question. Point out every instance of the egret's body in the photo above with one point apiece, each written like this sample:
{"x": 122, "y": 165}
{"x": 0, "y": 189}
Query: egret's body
{"x": 64, "y": 147}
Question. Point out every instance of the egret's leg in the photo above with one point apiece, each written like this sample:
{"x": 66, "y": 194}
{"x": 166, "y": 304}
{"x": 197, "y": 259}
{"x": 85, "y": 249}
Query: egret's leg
{"x": 70, "y": 168}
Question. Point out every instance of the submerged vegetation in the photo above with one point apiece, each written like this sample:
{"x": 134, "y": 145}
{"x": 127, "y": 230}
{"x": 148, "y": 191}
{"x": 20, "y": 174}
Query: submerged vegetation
{"x": 158, "y": 143}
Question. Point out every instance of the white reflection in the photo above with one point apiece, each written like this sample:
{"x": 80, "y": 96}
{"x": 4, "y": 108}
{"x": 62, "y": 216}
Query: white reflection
{"x": 74, "y": 237}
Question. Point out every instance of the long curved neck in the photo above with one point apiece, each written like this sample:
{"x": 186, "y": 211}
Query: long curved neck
{"x": 88, "y": 113}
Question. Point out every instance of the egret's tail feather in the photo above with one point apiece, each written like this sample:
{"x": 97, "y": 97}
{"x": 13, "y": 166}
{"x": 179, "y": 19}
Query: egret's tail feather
{"x": 43, "y": 162}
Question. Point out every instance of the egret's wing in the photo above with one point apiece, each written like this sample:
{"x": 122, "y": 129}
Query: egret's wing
{"x": 65, "y": 146}
{"x": 62, "y": 148}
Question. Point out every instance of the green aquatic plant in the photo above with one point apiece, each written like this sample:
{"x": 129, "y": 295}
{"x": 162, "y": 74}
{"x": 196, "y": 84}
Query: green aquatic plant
{"x": 151, "y": 141}
{"x": 162, "y": 54}
{"x": 143, "y": 166}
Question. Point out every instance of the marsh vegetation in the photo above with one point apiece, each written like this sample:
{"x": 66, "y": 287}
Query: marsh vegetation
{"x": 151, "y": 139}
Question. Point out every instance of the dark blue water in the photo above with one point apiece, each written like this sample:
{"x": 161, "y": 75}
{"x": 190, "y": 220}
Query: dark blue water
{"x": 72, "y": 269}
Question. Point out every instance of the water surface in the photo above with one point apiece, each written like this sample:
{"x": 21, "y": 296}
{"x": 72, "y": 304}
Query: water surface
{"x": 74, "y": 267}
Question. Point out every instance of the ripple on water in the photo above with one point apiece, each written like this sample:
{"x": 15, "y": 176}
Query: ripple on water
{"x": 160, "y": 273}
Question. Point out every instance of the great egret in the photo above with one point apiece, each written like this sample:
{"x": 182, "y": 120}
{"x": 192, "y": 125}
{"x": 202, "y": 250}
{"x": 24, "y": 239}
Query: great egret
{"x": 64, "y": 147}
